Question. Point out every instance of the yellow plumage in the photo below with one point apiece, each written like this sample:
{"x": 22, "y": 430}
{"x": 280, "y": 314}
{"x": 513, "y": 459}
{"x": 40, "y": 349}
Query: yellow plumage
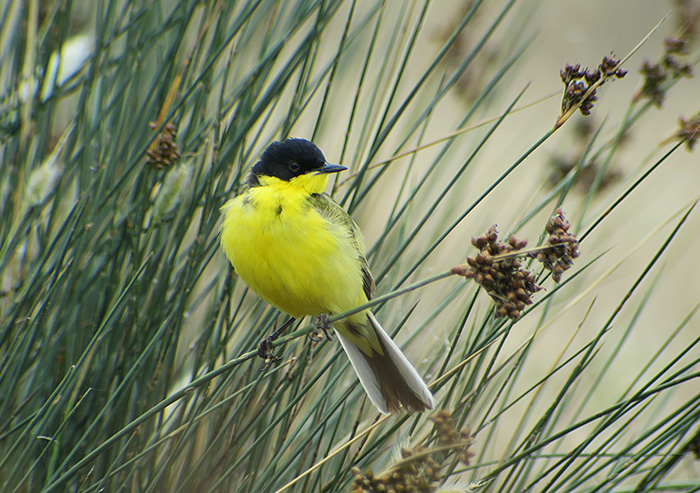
{"x": 288, "y": 246}
{"x": 301, "y": 252}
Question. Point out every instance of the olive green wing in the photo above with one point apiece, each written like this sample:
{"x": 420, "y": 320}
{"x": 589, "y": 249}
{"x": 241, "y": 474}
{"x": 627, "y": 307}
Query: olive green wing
{"x": 330, "y": 209}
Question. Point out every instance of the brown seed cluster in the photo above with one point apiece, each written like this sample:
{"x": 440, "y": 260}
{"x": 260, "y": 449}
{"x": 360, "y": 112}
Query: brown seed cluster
{"x": 654, "y": 78}
{"x": 561, "y": 166}
{"x": 163, "y": 152}
{"x": 561, "y": 163}
{"x": 670, "y": 67}
{"x": 460, "y": 441}
{"x": 473, "y": 79}
{"x": 690, "y": 130}
{"x": 498, "y": 267}
{"x": 561, "y": 247}
{"x": 419, "y": 468}
{"x": 418, "y": 472}
{"x": 578, "y": 81}
{"x": 505, "y": 279}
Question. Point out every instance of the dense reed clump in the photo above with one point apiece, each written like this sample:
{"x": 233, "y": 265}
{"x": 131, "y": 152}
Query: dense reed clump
{"x": 128, "y": 346}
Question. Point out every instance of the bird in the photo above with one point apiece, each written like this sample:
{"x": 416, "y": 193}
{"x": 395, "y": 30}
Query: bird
{"x": 301, "y": 252}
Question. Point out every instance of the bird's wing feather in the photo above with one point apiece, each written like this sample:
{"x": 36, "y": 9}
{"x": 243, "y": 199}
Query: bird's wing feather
{"x": 389, "y": 379}
{"x": 330, "y": 209}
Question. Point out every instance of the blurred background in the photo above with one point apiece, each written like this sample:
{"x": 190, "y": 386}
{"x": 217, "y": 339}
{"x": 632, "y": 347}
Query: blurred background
{"x": 124, "y": 126}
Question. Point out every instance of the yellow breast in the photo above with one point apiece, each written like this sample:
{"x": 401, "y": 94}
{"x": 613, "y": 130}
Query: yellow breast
{"x": 288, "y": 253}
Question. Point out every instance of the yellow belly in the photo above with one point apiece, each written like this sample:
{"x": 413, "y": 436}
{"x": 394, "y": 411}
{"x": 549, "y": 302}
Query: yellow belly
{"x": 290, "y": 255}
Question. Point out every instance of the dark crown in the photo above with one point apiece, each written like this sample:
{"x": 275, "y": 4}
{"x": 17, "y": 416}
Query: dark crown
{"x": 289, "y": 158}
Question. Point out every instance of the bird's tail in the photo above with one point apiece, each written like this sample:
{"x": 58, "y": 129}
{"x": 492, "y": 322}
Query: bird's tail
{"x": 385, "y": 373}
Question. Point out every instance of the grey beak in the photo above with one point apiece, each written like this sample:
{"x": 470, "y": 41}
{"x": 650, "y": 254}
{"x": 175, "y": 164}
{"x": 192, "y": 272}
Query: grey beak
{"x": 330, "y": 168}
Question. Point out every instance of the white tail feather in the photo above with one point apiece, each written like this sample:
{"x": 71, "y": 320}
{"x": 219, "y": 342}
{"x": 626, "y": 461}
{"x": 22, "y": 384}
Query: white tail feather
{"x": 421, "y": 397}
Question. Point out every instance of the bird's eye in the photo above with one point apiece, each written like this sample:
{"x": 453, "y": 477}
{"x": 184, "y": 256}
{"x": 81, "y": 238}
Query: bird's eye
{"x": 293, "y": 166}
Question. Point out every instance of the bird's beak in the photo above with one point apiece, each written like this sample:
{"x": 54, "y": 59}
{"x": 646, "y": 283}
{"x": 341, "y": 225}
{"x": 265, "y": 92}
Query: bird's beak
{"x": 330, "y": 168}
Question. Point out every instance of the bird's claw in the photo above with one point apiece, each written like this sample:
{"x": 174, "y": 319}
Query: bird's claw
{"x": 321, "y": 324}
{"x": 265, "y": 351}
{"x": 265, "y": 346}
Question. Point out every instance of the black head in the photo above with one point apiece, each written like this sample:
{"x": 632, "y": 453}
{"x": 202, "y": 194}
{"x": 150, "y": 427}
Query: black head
{"x": 291, "y": 158}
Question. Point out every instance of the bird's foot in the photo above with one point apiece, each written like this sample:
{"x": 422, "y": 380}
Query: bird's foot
{"x": 265, "y": 346}
{"x": 265, "y": 351}
{"x": 321, "y": 325}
